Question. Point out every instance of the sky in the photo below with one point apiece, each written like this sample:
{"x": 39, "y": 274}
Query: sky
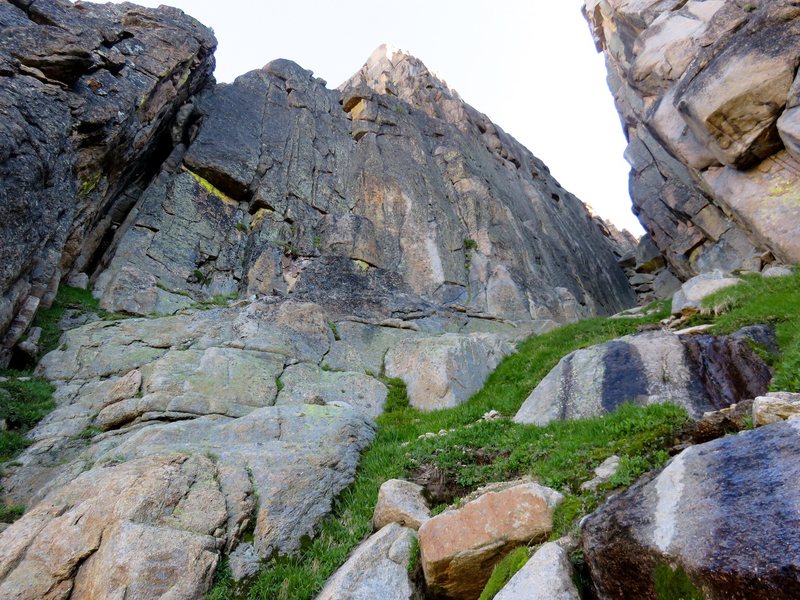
{"x": 530, "y": 65}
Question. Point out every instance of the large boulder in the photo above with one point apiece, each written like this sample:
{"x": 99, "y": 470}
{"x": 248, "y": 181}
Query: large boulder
{"x": 647, "y": 368}
{"x": 378, "y": 568}
{"x": 548, "y": 575}
{"x": 460, "y": 547}
{"x": 690, "y": 297}
{"x": 444, "y": 371}
{"x": 720, "y": 515}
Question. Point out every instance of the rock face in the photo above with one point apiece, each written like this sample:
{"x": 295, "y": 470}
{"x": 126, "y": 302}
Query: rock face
{"x": 689, "y": 298}
{"x": 546, "y": 576}
{"x": 707, "y": 93}
{"x": 460, "y": 547}
{"x": 378, "y": 568}
{"x": 699, "y": 373}
{"x": 721, "y": 512}
{"x": 775, "y": 407}
{"x": 89, "y": 95}
{"x": 400, "y": 502}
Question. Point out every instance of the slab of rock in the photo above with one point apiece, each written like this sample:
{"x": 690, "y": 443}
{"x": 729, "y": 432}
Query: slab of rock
{"x": 244, "y": 562}
{"x": 460, "y": 547}
{"x": 546, "y": 576}
{"x": 777, "y": 271}
{"x": 400, "y": 502}
{"x": 445, "y": 371}
{"x": 378, "y": 568}
{"x": 647, "y": 368}
{"x": 775, "y": 407}
{"x": 720, "y": 511}
{"x": 306, "y": 383}
{"x": 689, "y": 298}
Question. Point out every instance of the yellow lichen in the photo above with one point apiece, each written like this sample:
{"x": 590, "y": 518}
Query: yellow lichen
{"x": 211, "y": 188}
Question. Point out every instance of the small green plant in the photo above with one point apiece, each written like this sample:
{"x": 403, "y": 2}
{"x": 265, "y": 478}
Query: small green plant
{"x": 279, "y": 385}
{"x": 216, "y": 301}
{"x": 674, "y": 584}
{"x": 413, "y": 556}
{"x": 399, "y": 109}
{"x": 317, "y": 242}
{"x": 334, "y": 330}
{"x": 88, "y": 433}
{"x": 470, "y": 244}
{"x": 241, "y": 227}
{"x": 9, "y": 514}
{"x": 749, "y": 7}
{"x": 504, "y": 571}
{"x": 202, "y": 278}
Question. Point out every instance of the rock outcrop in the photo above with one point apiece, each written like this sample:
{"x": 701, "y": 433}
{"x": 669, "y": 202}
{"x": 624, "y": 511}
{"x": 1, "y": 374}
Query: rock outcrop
{"x": 89, "y": 96}
{"x": 548, "y": 575}
{"x": 707, "y": 94}
{"x": 717, "y": 518}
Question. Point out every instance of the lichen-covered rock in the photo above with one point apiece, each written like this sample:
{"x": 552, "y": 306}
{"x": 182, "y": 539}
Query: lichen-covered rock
{"x": 89, "y": 94}
{"x": 400, "y": 502}
{"x": 378, "y": 568}
{"x": 720, "y": 514}
{"x": 460, "y": 547}
{"x": 548, "y": 575}
{"x": 708, "y": 96}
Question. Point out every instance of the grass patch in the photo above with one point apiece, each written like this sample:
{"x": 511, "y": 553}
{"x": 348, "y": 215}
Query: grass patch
{"x": 674, "y": 584}
{"x": 22, "y": 405}
{"x": 393, "y": 452}
{"x": 504, "y": 571}
{"x": 215, "y": 301}
{"x": 9, "y": 514}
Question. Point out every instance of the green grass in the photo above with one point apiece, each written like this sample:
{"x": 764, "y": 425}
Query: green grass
{"x": 674, "y": 584}
{"x": 215, "y": 301}
{"x": 504, "y": 571}
{"x": 22, "y": 405}
{"x": 9, "y": 514}
{"x": 393, "y": 453}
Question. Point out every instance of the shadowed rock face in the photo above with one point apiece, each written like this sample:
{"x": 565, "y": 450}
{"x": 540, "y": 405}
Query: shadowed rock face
{"x": 709, "y": 101}
{"x": 722, "y": 511}
{"x": 88, "y": 95}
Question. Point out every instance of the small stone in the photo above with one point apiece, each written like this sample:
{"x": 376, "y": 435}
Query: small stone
{"x": 607, "y": 469}
{"x": 3, "y": 424}
{"x": 244, "y": 562}
{"x": 546, "y": 576}
{"x": 78, "y": 280}
{"x": 776, "y": 271}
{"x": 775, "y": 407}
{"x": 400, "y": 502}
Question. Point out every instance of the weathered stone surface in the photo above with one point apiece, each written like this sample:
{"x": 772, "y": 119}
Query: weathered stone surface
{"x": 776, "y": 271}
{"x": 647, "y": 368}
{"x": 244, "y": 562}
{"x": 720, "y": 511}
{"x": 546, "y": 576}
{"x": 603, "y": 473}
{"x": 689, "y": 298}
{"x": 376, "y": 569}
{"x": 460, "y": 547}
{"x": 775, "y": 407}
{"x": 708, "y": 97}
{"x": 307, "y": 383}
{"x": 444, "y": 371}
{"x": 89, "y": 94}
{"x": 400, "y": 502}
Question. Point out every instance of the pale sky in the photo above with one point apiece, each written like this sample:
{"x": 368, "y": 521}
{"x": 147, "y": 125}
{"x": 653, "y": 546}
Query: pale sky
{"x": 530, "y": 65}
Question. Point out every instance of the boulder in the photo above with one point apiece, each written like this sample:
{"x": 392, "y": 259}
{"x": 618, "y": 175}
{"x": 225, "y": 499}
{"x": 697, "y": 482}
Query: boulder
{"x": 459, "y": 547}
{"x": 647, "y": 368}
{"x": 400, "y": 502}
{"x": 378, "y": 568}
{"x": 548, "y": 575}
{"x": 689, "y": 298}
{"x": 718, "y": 515}
{"x": 777, "y": 271}
{"x": 244, "y": 562}
{"x": 665, "y": 284}
{"x": 445, "y": 371}
{"x": 775, "y": 407}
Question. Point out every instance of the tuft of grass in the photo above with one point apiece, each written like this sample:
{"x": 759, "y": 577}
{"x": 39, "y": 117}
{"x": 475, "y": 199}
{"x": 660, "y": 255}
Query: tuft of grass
{"x": 470, "y": 244}
{"x": 215, "y": 301}
{"x": 301, "y": 576}
{"x": 48, "y": 318}
{"x": 504, "y": 571}
{"x": 9, "y": 514}
{"x": 674, "y": 584}
{"x": 22, "y": 405}
{"x": 413, "y": 556}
